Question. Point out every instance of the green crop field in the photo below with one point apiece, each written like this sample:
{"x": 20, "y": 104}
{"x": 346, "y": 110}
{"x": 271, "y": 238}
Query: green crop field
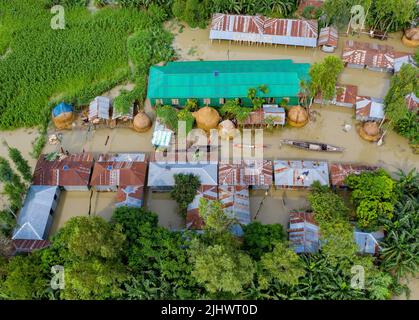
{"x": 40, "y": 66}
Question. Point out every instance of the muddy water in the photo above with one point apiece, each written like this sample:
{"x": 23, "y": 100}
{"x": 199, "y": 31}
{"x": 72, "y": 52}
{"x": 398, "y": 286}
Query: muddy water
{"x": 76, "y": 203}
{"x": 327, "y": 127}
{"x": 21, "y": 139}
{"x": 166, "y": 209}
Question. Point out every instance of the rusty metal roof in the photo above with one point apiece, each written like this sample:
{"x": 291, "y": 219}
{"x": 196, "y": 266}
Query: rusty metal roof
{"x": 247, "y": 173}
{"x": 303, "y": 232}
{"x": 264, "y": 30}
{"x": 368, "y": 108}
{"x": 22, "y": 245}
{"x": 370, "y": 54}
{"x": 72, "y": 170}
{"x": 119, "y": 173}
{"x": 328, "y": 37}
{"x": 412, "y": 102}
{"x": 130, "y": 196}
{"x": 339, "y": 171}
{"x": 344, "y": 94}
{"x": 236, "y": 205}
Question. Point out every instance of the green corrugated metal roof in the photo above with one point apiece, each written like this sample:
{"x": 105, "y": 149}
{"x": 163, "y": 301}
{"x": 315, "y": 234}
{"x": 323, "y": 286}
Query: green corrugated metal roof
{"x": 226, "y": 79}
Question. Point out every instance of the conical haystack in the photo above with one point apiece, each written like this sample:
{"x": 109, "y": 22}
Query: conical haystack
{"x": 63, "y": 116}
{"x": 141, "y": 122}
{"x": 207, "y": 118}
{"x": 297, "y": 116}
{"x": 227, "y": 130}
{"x": 370, "y": 131}
{"x": 411, "y": 37}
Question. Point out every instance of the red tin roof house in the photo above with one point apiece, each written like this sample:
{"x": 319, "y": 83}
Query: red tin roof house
{"x": 259, "y": 29}
{"x": 70, "y": 172}
{"x": 119, "y": 171}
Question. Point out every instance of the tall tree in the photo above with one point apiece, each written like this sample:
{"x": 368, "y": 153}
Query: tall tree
{"x": 91, "y": 252}
{"x": 324, "y": 76}
{"x": 23, "y": 279}
{"x": 373, "y": 196}
{"x": 392, "y": 15}
{"x": 282, "y": 264}
{"x": 184, "y": 191}
{"x": 260, "y": 238}
{"x": 221, "y": 268}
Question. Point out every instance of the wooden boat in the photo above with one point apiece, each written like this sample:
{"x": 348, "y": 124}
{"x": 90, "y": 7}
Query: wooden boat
{"x": 313, "y": 146}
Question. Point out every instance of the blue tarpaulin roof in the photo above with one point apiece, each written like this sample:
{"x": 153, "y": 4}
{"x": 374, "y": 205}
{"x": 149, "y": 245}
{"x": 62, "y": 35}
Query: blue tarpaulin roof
{"x": 61, "y": 108}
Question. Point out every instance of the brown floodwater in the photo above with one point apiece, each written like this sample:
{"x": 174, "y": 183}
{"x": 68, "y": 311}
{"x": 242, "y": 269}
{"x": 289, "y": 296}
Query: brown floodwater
{"x": 327, "y": 127}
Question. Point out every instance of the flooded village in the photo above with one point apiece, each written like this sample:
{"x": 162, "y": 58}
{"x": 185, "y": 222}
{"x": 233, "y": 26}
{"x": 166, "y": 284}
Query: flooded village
{"x": 327, "y": 126}
{"x": 99, "y": 161}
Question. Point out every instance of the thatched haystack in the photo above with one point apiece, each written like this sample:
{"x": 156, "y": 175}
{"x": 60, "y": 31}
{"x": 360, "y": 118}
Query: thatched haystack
{"x": 142, "y": 122}
{"x": 63, "y": 116}
{"x": 227, "y": 130}
{"x": 370, "y": 131}
{"x": 411, "y": 37}
{"x": 297, "y": 116}
{"x": 207, "y": 118}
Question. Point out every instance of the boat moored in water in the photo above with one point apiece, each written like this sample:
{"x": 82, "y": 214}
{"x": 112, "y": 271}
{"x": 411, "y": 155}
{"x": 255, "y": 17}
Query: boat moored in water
{"x": 313, "y": 146}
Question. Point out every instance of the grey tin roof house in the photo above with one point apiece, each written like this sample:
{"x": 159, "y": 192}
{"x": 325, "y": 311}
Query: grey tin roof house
{"x": 36, "y": 216}
{"x": 161, "y": 174}
{"x": 296, "y": 174}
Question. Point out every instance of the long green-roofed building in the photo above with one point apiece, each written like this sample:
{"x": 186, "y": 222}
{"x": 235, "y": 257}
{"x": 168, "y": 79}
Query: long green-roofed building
{"x": 213, "y": 82}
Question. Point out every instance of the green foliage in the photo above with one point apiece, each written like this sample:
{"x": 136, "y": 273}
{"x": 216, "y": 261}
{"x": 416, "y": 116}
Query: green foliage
{"x": 184, "y": 190}
{"x": 416, "y": 56}
{"x": 39, "y": 144}
{"x": 282, "y": 264}
{"x": 260, "y": 238}
{"x": 232, "y": 110}
{"x": 22, "y": 279}
{"x": 75, "y": 64}
{"x": 311, "y": 12}
{"x": 168, "y": 115}
{"x": 6, "y": 172}
{"x": 123, "y": 103}
{"x": 326, "y": 204}
{"x": 338, "y": 12}
{"x": 13, "y": 187}
{"x": 178, "y": 9}
{"x": 221, "y": 268}
{"x": 186, "y": 115}
{"x": 392, "y": 15}
{"x": 7, "y": 222}
{"x": 324, "y": 76}
{"x": 91, "y": 251}
{"x": 337, "y": 238}
{"x": 194, "y": 13}
{"x": 400, "y": 253}
{"x": 156, "y": 256}
{"x": 216, "y": 221}
{"x": 21, "y": 163}
{"x": 149, "y": 46}
{"x": 373, "y": 197}
{"x": 405, "y": 122}
{"x": 252, "y": 95}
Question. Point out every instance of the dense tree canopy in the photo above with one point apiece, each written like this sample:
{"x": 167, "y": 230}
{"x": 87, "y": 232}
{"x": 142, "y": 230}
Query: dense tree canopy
{"x": 404, "y": 121}
{"x": 184, "y": 191}
{"x": 260, "y": 238}
{"x": 373, "y": 196}
{"x": 324, "y": 76}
